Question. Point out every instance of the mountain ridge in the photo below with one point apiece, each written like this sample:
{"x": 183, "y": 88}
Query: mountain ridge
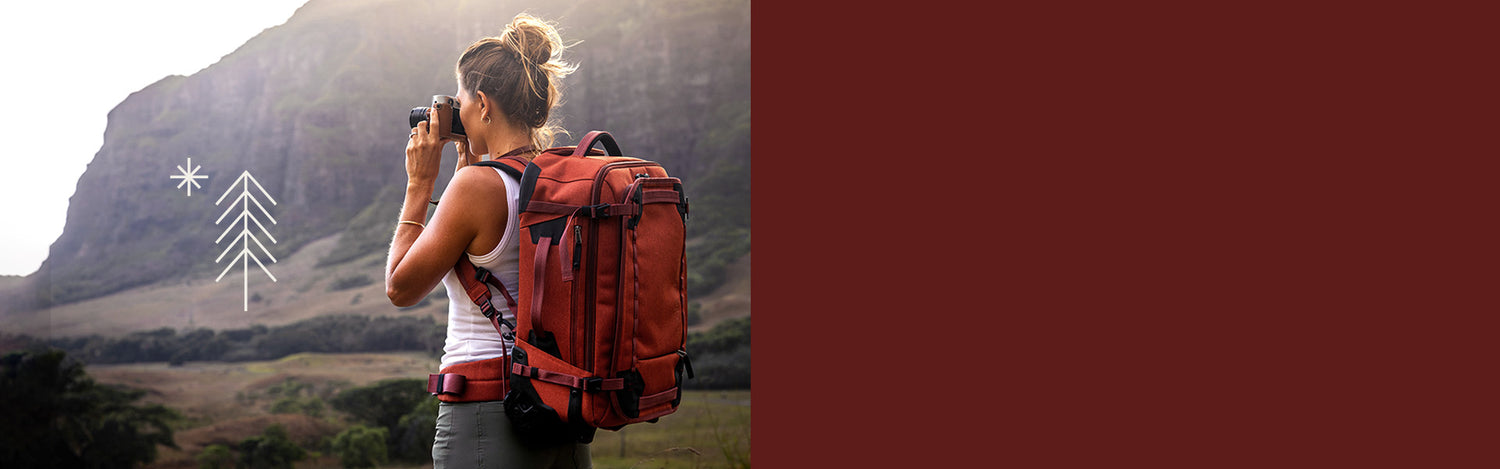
{"x": 315, "y": 109}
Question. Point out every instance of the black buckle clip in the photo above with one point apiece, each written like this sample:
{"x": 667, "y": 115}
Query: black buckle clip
{"x": 511, "y": 333}
{"x": 593, "y": 384}
{"x": 596, "y": 211}
{"x": 487, "y": 309}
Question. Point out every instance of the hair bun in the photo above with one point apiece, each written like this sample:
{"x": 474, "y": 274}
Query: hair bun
{"x": 531, "y": 38}
{"x": 521, "y": 69}
{"x": 538, "y": 51}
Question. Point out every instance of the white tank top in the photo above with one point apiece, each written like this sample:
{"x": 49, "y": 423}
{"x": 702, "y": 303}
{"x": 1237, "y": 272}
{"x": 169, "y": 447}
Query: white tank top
{"x": 471, "y": 336}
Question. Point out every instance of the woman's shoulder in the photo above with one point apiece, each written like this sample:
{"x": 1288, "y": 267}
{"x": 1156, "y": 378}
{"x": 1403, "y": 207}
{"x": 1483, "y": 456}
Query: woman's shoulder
{"x": 473, "y": 175}
{"x": 475, "y": 184}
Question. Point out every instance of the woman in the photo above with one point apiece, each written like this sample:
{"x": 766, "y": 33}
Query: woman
{"x": 507, "y": 88}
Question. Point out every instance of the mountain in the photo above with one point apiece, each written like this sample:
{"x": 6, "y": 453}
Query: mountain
{"x": 316, "y": 110}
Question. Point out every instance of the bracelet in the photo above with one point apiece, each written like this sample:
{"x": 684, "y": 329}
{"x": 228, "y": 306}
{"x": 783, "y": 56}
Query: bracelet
{"x": 405, "y": 222}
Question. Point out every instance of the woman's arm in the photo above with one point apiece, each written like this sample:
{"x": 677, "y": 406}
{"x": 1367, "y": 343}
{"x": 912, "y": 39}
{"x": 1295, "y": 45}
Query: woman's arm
{"x": 420, "y": 256}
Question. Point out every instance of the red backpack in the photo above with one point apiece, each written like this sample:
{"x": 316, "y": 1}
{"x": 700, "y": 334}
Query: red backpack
{"x": 600, "y": 339}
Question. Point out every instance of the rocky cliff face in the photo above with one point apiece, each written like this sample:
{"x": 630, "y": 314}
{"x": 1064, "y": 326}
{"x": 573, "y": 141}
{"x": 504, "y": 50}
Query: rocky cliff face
{"x": 316, "y": 110}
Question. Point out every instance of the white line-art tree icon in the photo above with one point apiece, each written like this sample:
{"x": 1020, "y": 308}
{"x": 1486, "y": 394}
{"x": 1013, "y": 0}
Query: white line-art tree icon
{"x": 245, "y": 237}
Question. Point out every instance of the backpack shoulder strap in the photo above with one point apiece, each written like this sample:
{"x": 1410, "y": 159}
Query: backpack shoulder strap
{"x": 476, "y": 280}
{"x": 525, "y": 171}
{"x": 512, "y": 165}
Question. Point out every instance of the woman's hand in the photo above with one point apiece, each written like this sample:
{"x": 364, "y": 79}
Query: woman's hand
{"x": 424, "y": 151}
{"x": 464, "y": 157}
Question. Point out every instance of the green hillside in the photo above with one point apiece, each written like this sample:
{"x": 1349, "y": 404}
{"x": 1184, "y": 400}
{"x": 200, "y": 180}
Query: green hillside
{"x": 316, "y": 110}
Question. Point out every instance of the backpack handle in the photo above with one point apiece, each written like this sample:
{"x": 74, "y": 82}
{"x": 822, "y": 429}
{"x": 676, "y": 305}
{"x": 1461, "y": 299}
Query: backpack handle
{"x": 598, "y": 136}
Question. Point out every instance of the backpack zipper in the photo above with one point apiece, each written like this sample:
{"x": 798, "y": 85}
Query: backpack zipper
{"x": 590, "y": 286}
{"x": 577, "y": 245}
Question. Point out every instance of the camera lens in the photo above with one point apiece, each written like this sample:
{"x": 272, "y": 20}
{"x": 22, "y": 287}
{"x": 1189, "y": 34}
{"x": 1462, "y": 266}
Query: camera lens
{"x": 419, "y": 114}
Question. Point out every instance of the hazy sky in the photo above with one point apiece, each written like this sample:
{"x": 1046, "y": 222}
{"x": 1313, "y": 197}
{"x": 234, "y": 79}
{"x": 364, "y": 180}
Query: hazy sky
{"x": 66, "y": 64}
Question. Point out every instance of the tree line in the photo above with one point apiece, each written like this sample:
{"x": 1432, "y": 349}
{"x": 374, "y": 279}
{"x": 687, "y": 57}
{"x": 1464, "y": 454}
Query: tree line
{"x": 720, "y": 356}
{"x": 323, "y": 334}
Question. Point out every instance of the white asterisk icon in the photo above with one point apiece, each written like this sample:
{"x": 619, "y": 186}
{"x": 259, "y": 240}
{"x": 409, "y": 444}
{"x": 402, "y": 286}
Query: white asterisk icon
{"x": 188, "y": 176}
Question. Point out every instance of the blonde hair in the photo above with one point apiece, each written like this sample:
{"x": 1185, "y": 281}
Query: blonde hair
{"x": 522, "y": 71}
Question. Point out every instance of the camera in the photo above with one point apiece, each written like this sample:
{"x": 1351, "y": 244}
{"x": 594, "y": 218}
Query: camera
{"x": 451, "y": 126}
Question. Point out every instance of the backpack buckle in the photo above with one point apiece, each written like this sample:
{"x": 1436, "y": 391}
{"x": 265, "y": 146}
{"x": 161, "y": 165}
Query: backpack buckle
{"x": 487, "y": 309}
{"x": 445, "y": 383}
{"x": 511, "y": 335}
{"x": 595, "y": 211}
{"x": 593, "y": 384}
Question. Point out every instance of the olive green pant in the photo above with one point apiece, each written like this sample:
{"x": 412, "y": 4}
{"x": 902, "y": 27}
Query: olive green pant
{"x": 473, "y": 435}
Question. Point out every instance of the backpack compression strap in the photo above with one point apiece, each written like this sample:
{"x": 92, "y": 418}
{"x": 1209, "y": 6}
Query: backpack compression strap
{"x": 476, "y": 282}
{"x": 564, "y": 379}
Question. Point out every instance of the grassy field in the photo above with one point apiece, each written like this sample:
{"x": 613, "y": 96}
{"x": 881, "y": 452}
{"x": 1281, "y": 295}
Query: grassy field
{"x": 223, "y": 403}
{"x": 710, "y": 429}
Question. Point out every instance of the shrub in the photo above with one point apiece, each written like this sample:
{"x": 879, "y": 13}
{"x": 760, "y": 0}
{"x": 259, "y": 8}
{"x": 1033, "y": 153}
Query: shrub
{"x": 412, "y": 437}
{"x": 216, "y": 457}
{"x": 361, "y": 446}
{"x": 271, "y": 449}
{"x": 401, "y": 406}
{"x": 383, "y": 403}
{"x": 309, "y": 406}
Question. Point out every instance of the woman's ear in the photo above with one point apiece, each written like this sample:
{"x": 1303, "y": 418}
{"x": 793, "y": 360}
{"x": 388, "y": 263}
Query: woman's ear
{"x": 485, "y": 105}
